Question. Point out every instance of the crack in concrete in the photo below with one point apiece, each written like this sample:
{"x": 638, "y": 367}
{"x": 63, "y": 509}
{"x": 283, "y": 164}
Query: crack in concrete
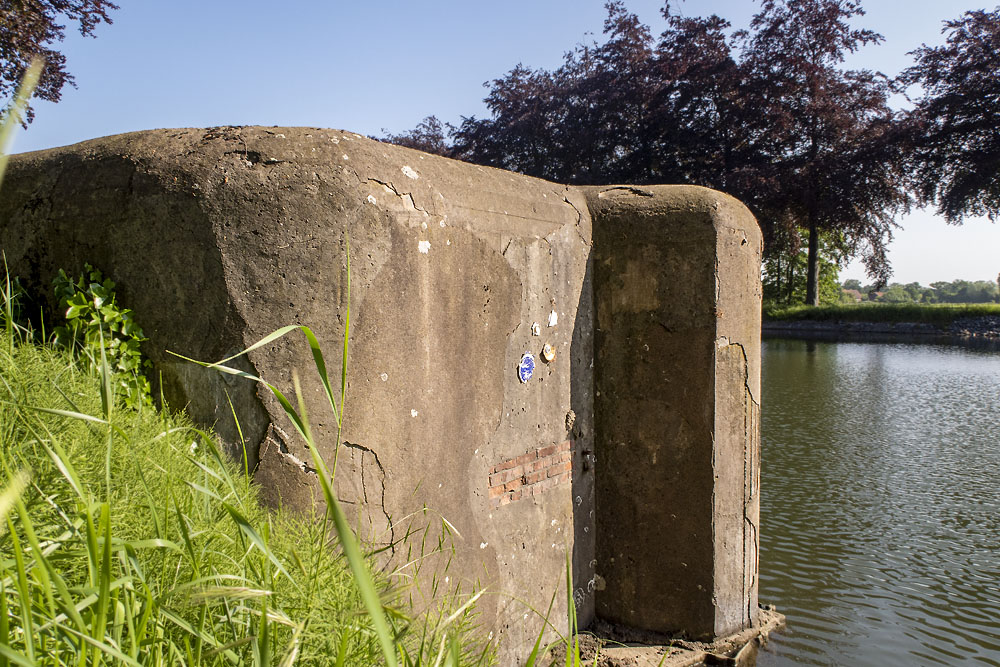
{"x": 628, "y": 188}
{"x": 401, "y": 195}
{"x": 364, "y": 488}
{"x": 725, "y": 341}
{"x": 255, "y": 157}
{"x": 749, "y": 525}
{"x": 579, "y": 221}
{"x": 280, "y": 441}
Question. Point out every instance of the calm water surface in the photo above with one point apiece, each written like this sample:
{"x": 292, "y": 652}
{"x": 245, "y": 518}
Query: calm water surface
{"x": 880, "y": 505}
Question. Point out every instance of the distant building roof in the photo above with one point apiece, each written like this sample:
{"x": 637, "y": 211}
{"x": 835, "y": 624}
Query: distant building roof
{"x": 854, "y": 294}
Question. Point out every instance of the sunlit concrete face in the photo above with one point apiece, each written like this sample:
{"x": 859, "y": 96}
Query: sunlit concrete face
{"x": 473, "y": 379}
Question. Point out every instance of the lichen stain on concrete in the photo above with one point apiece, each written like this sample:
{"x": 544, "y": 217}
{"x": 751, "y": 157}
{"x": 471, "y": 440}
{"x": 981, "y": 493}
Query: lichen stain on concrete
{"x": 638, "y": 289}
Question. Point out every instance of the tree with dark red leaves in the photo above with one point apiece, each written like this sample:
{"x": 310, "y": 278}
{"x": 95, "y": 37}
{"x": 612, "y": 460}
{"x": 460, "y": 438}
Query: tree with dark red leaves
{"x": 836, "y": 148}
{"x": 30, "y": 28}
{"x": 957, "y": 160}
{"x": 806, "y": 144}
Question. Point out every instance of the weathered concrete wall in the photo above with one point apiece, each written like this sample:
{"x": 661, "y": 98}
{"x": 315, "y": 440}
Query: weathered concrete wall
{"x": 217, "y": 237}
{"x": 677, "y": 364}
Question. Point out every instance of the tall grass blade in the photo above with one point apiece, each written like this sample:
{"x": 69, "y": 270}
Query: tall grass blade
{"x": 535, "y": 654}
{"x": 4, "y": 623}
{"x": 15, "y": 113}
{"x": 11, "y": 494}
{"x": 248, "y": 530}
{"x": 104, "y": 574}
{"x": 349, "y": 543}
{"x": 7, "y": 654}
{"x": 23, "y": 590}
{"x": 243, "y": 440}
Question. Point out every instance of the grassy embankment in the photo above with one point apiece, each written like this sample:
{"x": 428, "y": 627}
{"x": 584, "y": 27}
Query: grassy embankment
{"x": 127, "y": 538}
{"x": 942, "y": 314}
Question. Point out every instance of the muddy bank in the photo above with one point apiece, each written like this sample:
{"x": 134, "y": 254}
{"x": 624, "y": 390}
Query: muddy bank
{"x": 609, "y": 645}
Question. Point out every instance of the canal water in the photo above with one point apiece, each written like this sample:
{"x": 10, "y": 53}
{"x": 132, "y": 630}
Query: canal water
{"x": 880, "y": 503}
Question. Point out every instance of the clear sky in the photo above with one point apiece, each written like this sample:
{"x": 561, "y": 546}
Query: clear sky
{"x": 369, "y": 66}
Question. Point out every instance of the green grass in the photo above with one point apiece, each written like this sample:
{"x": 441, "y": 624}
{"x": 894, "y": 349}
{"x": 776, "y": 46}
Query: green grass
{"x": 134, "y": 540}
{"x": 940, "y": 314}
{"x": 127, "y": 539}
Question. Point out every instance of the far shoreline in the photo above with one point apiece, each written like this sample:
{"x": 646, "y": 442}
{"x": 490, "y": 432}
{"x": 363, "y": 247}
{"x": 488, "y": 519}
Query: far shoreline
{"x": 974, "y": 331}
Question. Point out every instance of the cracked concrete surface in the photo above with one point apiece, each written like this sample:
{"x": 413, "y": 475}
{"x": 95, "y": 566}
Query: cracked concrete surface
{"x": 218, "y": 237}
{"x": 672, "y": 358}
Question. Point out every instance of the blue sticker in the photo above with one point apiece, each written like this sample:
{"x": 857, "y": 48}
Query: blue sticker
{"x": 526, "y": 368}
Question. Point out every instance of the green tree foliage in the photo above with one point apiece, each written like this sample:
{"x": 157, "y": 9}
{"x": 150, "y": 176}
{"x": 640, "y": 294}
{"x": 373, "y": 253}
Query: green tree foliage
{"x": 956, "y": 291}
{"x": 957, "y": 158}
{"x": 854, "y": 284}
{"x": 785, "y": 277}
{"x": 30, "y": 28}
{"x": 831, "y": 135}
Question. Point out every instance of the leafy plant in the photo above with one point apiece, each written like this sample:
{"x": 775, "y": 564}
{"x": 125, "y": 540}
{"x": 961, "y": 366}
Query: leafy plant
{"x": 94, "y": 321}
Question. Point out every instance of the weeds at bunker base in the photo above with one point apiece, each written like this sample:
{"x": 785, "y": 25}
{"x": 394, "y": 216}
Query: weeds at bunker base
{"x": 265, "y": 238}
{"x": 141, "y": 508}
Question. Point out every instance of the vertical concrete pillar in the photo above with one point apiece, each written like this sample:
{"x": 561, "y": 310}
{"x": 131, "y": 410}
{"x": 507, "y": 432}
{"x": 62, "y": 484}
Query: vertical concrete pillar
{"x": 677, "y": 379}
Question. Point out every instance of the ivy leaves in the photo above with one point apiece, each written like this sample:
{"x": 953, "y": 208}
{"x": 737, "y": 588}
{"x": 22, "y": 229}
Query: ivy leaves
{"x": 93, "y": 319}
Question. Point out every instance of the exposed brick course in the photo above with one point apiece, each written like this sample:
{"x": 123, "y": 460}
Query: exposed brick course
{"x": 531, "y": 474}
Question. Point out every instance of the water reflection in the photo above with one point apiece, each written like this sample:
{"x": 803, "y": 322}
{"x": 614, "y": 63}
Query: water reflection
{"x": 880, "y": 505}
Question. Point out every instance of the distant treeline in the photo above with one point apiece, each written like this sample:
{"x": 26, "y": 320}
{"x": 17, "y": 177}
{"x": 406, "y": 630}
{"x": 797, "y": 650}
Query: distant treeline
{"x": 956, "y": 291}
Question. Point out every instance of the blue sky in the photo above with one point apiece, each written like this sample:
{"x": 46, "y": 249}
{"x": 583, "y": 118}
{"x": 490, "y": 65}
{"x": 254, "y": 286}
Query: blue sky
{"x": 367, "y": 66}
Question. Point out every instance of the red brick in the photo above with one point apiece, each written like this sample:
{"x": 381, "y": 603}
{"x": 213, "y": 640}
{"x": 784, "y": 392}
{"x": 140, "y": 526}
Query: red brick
{"x": 564, "y": 446}
{"x": 515, "y": 496}
{"x": 558, "y": 468}
{"x": 536, "y": 465}
{"x": 563, "y": 478}
{"x": 512, "y": 474}
{"x": 496, "y": 492}
{"x": 537, "y": 476}
{"x": 512, "y": 485}
{"x": 562, "y": 456}
{"x": 547, "y": 451}
{"x": 504, "y": 476}
{"x": 504, "y": 465}
{"x": 524, "y": 458}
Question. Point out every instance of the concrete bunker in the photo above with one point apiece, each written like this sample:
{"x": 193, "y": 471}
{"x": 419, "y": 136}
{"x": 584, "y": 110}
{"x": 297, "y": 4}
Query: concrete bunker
{"x": 554, "y": 369}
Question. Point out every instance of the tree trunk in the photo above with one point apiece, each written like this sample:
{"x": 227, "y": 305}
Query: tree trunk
{"x": 777, "y": 277}
{"x": 790, "y": 282}
{"x": 812, "y": 267}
